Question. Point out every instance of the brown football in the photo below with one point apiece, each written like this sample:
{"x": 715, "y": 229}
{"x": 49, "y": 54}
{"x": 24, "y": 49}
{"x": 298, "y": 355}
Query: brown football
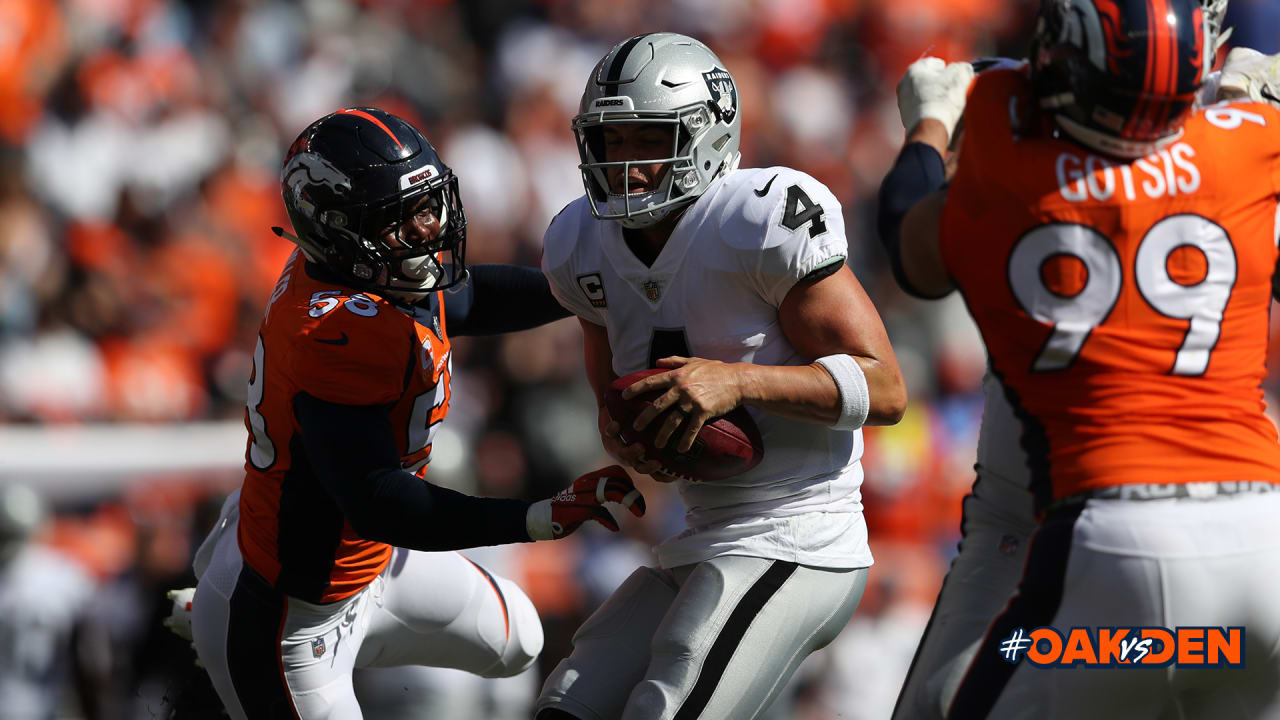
{"x": 726, "y": 446}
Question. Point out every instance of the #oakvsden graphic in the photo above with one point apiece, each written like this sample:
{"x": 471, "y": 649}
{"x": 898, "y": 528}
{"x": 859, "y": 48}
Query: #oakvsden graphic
{"x": 1126, "y": 646}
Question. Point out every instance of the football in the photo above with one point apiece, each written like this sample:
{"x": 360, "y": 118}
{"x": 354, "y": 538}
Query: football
{"x": 726, "y": 446}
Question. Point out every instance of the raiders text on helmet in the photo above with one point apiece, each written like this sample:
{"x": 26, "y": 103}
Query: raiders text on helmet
{"x": 1117, "y": 75}
{"x": 352, "y": 182}
{"x": 661, "y": 78}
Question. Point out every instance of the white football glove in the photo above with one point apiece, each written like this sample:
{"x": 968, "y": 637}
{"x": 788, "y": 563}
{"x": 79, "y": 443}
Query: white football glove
{"x": 934, "y": 89}
{"x": 1250, "y": 73}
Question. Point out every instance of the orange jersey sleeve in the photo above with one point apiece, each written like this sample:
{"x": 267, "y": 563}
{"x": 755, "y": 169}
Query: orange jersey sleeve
{"x": 1124, "y": 304}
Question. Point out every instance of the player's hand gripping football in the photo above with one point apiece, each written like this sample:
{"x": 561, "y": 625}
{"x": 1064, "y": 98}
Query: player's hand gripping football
{"x": 567, "y": 510}
{"x": 697, "y": 391}
{"x": 630, "y": 455}
{"x": 1249, "y": 73}
{"x": 934, "y": 89}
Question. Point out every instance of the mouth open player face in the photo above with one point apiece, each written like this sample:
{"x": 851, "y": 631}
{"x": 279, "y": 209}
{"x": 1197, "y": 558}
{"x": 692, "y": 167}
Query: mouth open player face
{"x": 637, "y": 142}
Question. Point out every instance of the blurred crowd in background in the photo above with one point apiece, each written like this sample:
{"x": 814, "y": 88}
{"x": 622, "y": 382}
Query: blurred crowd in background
{"x": 140, "y": 144}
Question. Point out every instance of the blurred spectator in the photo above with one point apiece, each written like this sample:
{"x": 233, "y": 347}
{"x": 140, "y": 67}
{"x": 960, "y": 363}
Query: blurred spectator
{"x": 48, "y": 644}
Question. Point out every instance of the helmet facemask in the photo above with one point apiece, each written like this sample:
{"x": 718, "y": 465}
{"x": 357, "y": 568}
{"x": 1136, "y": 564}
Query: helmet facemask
{"x": 681, "y": 175}
{"x": 408, "y": 245}
{"x": 666, "y": 79}
{"x": 371, "y": 200}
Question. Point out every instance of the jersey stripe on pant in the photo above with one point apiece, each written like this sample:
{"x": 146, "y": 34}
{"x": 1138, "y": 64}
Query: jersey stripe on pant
{"x": 1035, "y": 604}
{"x": 253, "y": 648}
{"x": 730, "y": 635}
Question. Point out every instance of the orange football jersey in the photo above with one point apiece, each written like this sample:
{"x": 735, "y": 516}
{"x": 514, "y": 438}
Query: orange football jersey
{"x": 1124, "y": 305}
{"x": 347, "y": 347}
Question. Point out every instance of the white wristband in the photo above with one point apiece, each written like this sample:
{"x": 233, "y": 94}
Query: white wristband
{"x": 855, "y": 402}
{"x": 537, "y": 521}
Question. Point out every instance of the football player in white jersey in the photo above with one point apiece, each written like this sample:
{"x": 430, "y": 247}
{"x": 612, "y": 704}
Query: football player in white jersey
{"x": 735, "y": 281}
{"x": 47, "y": 636}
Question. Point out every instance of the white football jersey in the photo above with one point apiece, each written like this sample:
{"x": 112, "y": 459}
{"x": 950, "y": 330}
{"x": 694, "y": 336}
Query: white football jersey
{"x": 714, "y": 292}
{"x": 42, "y": 593}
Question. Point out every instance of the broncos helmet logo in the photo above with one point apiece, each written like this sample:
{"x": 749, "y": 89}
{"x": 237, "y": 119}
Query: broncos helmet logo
{"x": 307, "y": 168}
{"x": 1111, "y": 20}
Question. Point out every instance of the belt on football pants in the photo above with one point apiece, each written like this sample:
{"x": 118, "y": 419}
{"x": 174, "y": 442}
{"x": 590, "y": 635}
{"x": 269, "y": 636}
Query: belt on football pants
{"x": 1168, "y": 491}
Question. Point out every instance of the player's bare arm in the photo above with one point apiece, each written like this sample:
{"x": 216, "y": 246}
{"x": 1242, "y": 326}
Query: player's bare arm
{"x": 828, "y": 316}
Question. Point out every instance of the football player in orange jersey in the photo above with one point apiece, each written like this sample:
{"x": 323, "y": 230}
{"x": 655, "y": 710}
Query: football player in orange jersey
{"x": 1116, "y": 254}
{"x": 998, "y": 514}
{"x": 322, "y": 561}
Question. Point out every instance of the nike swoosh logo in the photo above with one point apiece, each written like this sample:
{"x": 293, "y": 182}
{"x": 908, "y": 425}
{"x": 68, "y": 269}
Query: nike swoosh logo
{"x": 1270, "y": 96}
{"x": 765, "y": 190}
{"x": 334, "y": 341}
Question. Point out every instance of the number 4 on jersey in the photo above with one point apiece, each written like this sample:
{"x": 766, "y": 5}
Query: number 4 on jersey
{"x": 800, "y": 210}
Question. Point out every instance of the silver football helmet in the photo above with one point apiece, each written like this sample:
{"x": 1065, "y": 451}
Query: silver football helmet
{"x": 662, "y": 78}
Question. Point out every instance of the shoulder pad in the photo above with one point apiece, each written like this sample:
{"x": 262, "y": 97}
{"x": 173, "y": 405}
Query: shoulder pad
{"x": 564, "y": 231}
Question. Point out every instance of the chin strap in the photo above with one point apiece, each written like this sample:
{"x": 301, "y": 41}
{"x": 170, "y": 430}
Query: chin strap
{"x": 462, "y": 281}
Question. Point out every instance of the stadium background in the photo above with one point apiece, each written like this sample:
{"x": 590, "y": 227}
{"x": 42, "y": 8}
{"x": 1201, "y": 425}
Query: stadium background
{"x": 140, "y": 143}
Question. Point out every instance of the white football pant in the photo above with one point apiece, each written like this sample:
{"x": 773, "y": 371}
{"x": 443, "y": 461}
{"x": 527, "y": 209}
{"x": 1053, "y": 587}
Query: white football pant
{"x": 715, "y": 640}
{"x": 1158, "y": 563}
{"x": 270, "y": 655}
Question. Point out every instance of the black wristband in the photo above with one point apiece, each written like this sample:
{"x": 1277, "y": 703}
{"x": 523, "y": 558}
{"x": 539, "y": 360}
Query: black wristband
{"x": 918, "y": 171}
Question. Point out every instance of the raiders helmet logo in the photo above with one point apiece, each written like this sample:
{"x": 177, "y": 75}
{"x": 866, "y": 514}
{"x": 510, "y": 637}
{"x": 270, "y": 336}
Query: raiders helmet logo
{"x": 724, "y": 94}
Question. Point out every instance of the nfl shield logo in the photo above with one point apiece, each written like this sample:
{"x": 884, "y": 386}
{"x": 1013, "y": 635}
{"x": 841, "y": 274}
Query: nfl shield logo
{"x": 317, "y": 647}
{"x": 1009, "y": 544}
{"x": 652, "y": 290}
{"x": 724, "y": 96}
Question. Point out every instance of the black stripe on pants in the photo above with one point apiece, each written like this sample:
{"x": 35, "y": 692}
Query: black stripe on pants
{"x": 254, "y": 626}
{"x": 731, "y": 636}
{"x": 1034, "y": 605}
